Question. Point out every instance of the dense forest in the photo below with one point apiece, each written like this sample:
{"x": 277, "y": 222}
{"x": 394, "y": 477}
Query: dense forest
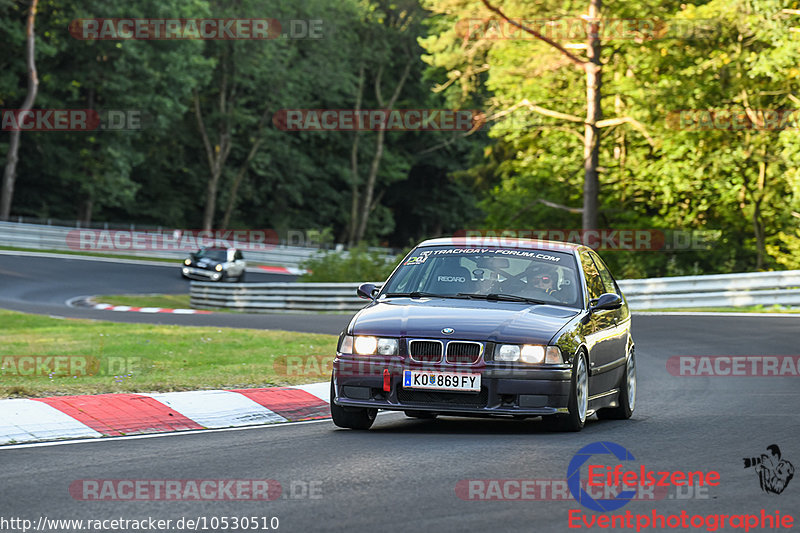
{"x": 642, "y": 115}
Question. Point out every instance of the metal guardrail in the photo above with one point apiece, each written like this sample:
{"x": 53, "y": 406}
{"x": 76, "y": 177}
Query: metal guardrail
{"x": 719, "y": 290}
{"x": 276, "y": 297}
{"x": 724, "y": 290}
{"x": 63, "y": 238}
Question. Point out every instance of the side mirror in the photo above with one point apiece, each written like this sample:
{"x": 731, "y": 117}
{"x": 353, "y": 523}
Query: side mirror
{"x": 606, "y": 301}
{"x": 366, "y": 291}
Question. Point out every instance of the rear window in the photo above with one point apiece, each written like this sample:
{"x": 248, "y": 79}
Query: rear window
{"x": 543, "y": 275}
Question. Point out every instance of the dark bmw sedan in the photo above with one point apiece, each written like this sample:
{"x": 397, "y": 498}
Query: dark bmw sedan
{"x": 537, "y": 328}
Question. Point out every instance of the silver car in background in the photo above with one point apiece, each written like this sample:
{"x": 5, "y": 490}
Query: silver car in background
{"x": 215, "y": 264}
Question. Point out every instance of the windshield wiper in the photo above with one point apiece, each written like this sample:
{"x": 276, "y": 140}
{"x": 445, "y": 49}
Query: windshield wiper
{"x": 418, "y": 294}
{"x": 504, "y": 298}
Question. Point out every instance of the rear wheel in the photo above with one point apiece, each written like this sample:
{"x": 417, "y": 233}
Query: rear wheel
{"x": 578, "y": 405}
{"x": 627, "y": 395}
{"x": 351, "y": 417}
{"x": 425, "y": 415}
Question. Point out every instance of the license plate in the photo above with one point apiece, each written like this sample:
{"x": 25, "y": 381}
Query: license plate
{"x": 416, "y": 379}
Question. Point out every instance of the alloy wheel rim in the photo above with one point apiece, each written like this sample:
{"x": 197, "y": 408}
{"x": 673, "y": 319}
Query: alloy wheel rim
{"x": 632, "y": 382}
{"x": 581, "y": 387}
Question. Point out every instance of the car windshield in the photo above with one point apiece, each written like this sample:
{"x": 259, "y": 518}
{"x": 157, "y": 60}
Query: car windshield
{"x": 527, "y": 276}
{"x": 214, "y": 255}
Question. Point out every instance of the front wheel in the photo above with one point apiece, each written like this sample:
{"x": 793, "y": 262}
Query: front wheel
{"x": 351, "y": 417}
{"x": 627, "y": 395}
{"x": 578, "y": 404}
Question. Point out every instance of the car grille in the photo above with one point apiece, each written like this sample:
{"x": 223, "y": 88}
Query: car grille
{"x": 425, "y": 351}
{"x": 443, "y": 398}
{"x": 463, "y": 352}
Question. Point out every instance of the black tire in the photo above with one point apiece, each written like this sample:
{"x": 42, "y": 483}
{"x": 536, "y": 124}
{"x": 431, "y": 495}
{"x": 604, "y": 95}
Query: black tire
{"x": 627, "y": 395}
{"x": 240, "y": 279}
{"x": 351, "y": 417}
{"x": 424, "y": 415}
{"x": 578, "y": 404}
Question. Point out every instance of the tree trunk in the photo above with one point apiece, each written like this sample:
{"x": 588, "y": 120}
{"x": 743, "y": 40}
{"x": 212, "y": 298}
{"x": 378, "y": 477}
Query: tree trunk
{"x": 10, "y": 173}
{"x": 355, "y": 196}
{"x": 366, "y": 204}
{"x": 758, "y": 224}
{"x": 211, "y": 199}
{"x": 591, "y": 142}
{"x": 218, "y": 154}
{"x": 85, "y": 210}
{"x": 242, "y": 171}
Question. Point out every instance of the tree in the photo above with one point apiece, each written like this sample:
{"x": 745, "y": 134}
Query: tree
{"x": 591, "y": 66}
{"x": 10, "y": 173}
{"x": 390, "y": 30}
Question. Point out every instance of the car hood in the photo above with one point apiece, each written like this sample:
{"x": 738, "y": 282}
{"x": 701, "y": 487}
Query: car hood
{"x": 205, "y": 262}
{"x": 471, "y": 319}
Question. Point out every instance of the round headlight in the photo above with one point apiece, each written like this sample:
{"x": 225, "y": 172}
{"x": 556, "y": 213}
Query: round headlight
{"x": 366, "y": 345}
{"x": 387, "y": 346}
{"x": 507, "y": 352}
{"x": 218, "y": 268}
{"x": 187, "y": 262}
{"x": 532, "y": 353}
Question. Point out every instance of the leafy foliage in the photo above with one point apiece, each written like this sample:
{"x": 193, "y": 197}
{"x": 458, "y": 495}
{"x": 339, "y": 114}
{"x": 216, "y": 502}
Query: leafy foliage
{"x": 358, "y": 264}
{"x": 521, "y": 170}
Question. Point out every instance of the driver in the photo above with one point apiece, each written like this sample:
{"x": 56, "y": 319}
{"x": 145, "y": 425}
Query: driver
{"x": 543, "y": 277}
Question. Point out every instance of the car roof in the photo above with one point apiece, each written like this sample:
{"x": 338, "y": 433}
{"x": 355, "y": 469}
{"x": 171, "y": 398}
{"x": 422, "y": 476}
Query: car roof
{"x": 503, "y": 242}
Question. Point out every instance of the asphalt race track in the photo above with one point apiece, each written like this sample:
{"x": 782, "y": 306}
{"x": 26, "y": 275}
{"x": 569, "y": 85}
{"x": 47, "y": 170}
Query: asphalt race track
{"x": 43, "y": 285}
{"x": 402, "y": 475}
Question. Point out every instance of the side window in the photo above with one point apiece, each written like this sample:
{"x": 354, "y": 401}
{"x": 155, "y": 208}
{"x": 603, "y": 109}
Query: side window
{"x": 593, "y": 280}
{"x": 605, "y": 275}
{"x": 238, "y": 255}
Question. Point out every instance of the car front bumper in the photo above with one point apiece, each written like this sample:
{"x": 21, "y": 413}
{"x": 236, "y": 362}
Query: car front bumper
{"x": 200, "y": 273}
{"x": 505, "y": 391}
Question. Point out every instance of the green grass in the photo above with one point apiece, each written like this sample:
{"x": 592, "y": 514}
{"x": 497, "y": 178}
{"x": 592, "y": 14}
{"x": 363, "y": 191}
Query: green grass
{"x": 169, "y": 301}
{"x": 747, "y": 309}
{"x": 154, "y": 358}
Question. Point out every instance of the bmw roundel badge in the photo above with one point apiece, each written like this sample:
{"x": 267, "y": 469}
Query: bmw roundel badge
{"x": 448, "y": 331}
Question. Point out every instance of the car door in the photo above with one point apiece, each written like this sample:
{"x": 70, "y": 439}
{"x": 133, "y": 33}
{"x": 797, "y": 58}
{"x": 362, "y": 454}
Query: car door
{"x": 600, "y": 329}
{"x": 618, "y": 326}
